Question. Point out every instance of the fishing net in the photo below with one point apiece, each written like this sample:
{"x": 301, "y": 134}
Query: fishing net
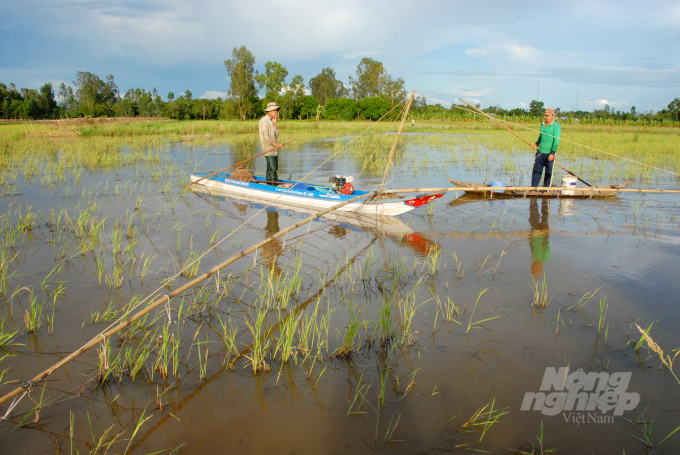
{"x": 242, "y": 174}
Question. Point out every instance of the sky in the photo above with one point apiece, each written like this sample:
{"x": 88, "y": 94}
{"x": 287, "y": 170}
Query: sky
{"x": 572, "y": 55}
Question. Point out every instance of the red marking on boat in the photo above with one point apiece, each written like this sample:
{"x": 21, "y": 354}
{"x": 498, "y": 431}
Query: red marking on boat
{"x": 422, "y": 200}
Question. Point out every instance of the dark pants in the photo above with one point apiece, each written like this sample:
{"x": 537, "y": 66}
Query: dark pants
{"x": 541, "y": 162}
{"x": 272, "y": 168}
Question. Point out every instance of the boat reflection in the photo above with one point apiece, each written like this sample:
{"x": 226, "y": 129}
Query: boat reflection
{"x": 466, "y": 198}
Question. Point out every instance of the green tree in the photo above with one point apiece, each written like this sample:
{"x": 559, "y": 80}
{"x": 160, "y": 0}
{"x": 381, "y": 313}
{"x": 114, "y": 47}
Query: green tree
{"x": 325, "y": 86}
{"x": 674, "y": 108}
{"x": 393, "y": 89}
{"x": 297, "y": 87}
{"x": 536, "y": 108}
{"x": 341, "y": 109}
{"x": 242, "y": 74}
{"x": 92, "y": 91}
{"x": 67, "y": 99}
{"x": 48, "y": 105}
{"x": 273, "y": 80}
{"x": 309, "y": 107}
{"x": 373, "y": 107}
{"x": 370, "y": 74}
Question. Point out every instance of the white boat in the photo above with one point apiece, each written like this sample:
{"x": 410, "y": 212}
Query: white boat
{"x": 384, "y": 226}
{"x": 301, "y": 194}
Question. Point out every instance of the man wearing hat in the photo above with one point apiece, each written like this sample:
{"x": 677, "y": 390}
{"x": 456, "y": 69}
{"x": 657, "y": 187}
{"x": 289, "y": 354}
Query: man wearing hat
{"x": 546, "y": 147}
{"x": 269, "y": 133}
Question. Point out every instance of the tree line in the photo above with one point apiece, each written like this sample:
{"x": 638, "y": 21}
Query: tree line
{"x": 369, "y": 94}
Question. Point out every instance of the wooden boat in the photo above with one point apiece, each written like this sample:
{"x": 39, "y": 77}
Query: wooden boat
{"x": 300, "y": 194}
{"x": 548, "y": 194}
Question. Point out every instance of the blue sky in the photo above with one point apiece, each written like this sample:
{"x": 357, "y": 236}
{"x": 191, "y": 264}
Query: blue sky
{"x": 494, "y": 52}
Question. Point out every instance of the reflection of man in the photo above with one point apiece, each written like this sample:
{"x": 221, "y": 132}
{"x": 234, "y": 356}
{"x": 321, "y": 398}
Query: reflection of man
{"x": 538, "y": 240}
{"x": 546, "y": 147}
{"x": 272, "y": 250}
{"x": 269, "y": 133}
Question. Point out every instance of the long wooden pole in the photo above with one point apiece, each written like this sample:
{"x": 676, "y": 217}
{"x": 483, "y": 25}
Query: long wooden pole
{"x": 592, "y": 189}
{"x": 227, "y": 168}
{"x": 166, "y": 298}
{"x": 522, "y": 139}
{"x": 396, "y": 139}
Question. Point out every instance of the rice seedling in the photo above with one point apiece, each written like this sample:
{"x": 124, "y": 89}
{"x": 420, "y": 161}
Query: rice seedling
{"x": 485, "y": 419}
{"x": 389, "y": 433}
{"x": 359, "y": 397}
{"x": 472, "y": 324}
{"x": 642, "y": 338}
{"x": 539, "y": 290}
{"x": 450, "y": 310}
{"x": 384, "y": 376}
{"x": 228, "y": 333}
{"x": 260, "y": 344}
{"x": 7, "y": 335}
{"x": 385, "y": 321}
{"x": 583, "y": 300}
{"x": 646, "y": 428}
{"x": 5, "y": 262}
{"x": 33, "y": 316}
{"x": 459, "y": 272}
{"x": 604, "y": 306}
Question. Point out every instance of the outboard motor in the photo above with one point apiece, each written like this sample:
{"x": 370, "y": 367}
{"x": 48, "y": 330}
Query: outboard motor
{"x": 338, "y": 182}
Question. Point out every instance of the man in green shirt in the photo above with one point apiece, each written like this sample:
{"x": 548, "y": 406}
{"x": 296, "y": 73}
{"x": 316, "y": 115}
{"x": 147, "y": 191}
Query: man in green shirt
{"x": 546, "y": 147}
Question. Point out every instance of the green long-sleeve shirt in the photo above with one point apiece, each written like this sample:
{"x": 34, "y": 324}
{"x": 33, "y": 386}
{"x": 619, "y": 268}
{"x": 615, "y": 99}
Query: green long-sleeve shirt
{"x": 548, "y": 142}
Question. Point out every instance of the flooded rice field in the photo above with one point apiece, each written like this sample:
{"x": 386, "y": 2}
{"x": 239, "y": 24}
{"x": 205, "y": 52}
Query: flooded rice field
{"x": 497, "y": 326}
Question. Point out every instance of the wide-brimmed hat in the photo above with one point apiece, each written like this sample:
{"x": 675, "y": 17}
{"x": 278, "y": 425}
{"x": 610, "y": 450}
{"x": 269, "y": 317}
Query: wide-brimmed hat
{"x": 272, "y": 106}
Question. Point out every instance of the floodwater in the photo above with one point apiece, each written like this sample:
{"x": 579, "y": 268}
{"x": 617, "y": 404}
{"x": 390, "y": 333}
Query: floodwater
{"x": 415, "y": 379}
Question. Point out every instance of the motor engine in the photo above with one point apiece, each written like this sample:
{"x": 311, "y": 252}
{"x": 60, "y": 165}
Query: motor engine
{"x": 338, "y": 182}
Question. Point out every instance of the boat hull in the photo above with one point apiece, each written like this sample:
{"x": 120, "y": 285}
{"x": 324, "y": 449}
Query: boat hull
{"x": 509, "y": 194}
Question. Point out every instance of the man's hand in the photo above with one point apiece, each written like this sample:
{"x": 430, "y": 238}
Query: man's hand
{"x": 277, "y": 146}
{"x": 535, "y": 147}
{"x": 551, "y": 157}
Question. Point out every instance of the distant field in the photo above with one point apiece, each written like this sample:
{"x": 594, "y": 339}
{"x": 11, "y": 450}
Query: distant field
{"x": 25, "y": 127}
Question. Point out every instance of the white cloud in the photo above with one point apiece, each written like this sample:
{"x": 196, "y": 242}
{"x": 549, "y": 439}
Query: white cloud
{"x": 483, "y": 92}
{"x": 212, "y": 94}
{"x": 498, "y": 51}
{"x": 174, "y": 43}
{"x": 356, "y": 54}
{"x": 442, "y": 102}
{"x": 598, "y": 104}
{"x": 614, "y": 75}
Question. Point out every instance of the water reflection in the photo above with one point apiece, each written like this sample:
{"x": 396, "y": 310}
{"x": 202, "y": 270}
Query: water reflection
{"x": 272, "y": 250}
{"x": 539, "y": 237}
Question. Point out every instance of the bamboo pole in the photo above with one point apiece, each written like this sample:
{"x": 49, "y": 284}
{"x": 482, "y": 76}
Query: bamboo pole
{"x": 481, "y": 189}
{"x": 166, "y": 298}
{"x": 522, "y": 139}
{"x": 396, "y": 140}
{"x": 233, "y": 165}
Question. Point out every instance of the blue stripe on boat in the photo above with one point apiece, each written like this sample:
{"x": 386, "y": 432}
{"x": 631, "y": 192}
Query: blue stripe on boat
{"x": 278, "y": 189}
